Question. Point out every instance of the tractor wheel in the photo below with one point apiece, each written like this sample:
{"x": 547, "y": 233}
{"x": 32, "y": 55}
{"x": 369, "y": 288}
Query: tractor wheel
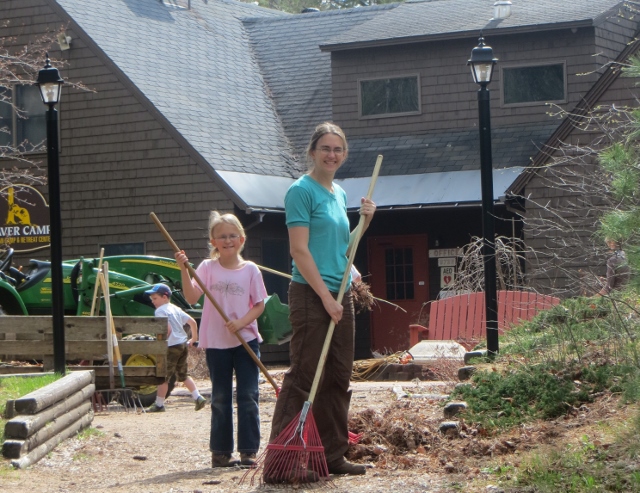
{"x": 147, "y": 393}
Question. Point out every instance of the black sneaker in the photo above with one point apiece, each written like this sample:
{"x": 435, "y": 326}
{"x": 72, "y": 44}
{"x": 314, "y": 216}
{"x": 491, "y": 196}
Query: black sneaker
{"x": 200, "y": 403}
{"x": 155, "y": 409}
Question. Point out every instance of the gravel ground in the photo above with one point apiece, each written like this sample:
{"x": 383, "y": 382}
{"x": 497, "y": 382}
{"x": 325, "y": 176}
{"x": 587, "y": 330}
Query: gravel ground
{"x": 168, "y": 452}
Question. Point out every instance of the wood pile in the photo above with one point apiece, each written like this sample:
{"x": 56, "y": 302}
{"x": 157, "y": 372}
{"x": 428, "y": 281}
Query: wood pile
{"x": 47, "y": 416}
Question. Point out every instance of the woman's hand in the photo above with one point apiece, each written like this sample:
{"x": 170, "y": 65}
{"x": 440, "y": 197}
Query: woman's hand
{"x": 367, "y": 207}
{"x": 333, "y": 308}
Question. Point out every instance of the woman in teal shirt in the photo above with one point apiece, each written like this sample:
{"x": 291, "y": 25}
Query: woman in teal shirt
{"x": 316, "y": 215}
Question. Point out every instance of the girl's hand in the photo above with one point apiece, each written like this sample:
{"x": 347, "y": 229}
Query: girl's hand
{"x": 334, "y": 309}
{"x": 233, "y": 326}
{"x": 181, "y": 258}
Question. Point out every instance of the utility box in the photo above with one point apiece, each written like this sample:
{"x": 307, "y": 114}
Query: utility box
{"x": 273, "y": 324}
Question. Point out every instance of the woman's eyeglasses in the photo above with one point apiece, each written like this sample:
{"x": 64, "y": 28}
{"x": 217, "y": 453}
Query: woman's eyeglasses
{"x": 338, "y": 151}
{"x": 226, "y": 237}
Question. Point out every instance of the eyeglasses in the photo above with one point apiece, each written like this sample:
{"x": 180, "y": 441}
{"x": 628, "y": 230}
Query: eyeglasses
{"x": 225, "y": 237}
{"x": 338, "y": 151}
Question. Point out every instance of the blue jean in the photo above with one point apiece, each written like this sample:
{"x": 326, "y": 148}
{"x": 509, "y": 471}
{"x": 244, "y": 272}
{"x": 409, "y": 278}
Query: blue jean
{"x": 222, "y": 363}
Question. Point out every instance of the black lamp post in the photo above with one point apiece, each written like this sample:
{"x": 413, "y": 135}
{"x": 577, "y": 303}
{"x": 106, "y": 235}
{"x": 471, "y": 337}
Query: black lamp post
{"x": 482, "y": 63}
{"x": 50, "y": 84}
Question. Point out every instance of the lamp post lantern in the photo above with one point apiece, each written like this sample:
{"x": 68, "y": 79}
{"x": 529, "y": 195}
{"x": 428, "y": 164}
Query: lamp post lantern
{"x": 50, "y": 84}
{"x": 482, "y": 64}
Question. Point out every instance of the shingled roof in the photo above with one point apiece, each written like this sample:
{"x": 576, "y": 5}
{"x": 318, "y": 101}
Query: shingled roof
{"x": 441, "y": 152}
{"x": 297, "y": 72}
{"x": 197, "y": 69}
{"x": 243, "y": 86}
{"x": 423, "y": 20}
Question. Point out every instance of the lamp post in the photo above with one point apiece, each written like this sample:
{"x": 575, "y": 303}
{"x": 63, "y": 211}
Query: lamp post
{"x": 482, "y": 64}
{"x": 50, "y": 84}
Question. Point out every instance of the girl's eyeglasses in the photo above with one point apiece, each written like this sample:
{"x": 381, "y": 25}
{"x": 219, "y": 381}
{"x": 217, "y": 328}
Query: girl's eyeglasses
{"x": 225, "y": 237}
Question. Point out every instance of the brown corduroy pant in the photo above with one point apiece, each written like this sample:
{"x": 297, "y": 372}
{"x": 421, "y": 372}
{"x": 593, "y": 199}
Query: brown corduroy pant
{"x": 310, "y": 323}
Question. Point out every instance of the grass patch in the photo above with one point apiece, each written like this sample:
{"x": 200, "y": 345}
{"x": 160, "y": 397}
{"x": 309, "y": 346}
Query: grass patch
{"x": 14, "y": 387}
{"x": 503, "y": 400}
{"x": 90, "y": 432}
{"x": 549, "y": 367}
{"x": 608, "y": 462}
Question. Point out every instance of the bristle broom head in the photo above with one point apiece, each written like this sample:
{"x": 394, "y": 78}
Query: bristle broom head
{"x": 294, "y": 457}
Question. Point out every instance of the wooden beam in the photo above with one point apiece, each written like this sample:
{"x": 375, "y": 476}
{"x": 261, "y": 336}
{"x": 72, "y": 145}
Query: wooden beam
{"x": 47, "y": 396}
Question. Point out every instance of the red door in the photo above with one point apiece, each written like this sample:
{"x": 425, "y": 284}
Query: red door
{"x": 399, "y": 273}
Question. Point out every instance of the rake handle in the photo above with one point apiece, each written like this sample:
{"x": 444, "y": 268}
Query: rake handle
{"x": 345, "y": 280}
{"x": 208, "y": 294}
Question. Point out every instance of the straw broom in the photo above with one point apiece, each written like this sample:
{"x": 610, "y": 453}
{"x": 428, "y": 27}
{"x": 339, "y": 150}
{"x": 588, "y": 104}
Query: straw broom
{"x": 297, "y": 451}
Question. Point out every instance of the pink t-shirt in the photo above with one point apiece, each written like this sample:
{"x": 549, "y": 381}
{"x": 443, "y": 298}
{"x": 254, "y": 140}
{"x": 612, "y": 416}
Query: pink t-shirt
{"x": 236, "y": 291}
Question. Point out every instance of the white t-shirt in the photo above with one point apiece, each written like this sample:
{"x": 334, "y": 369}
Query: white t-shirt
{"x": 177, "y": 320}
{"x": 355, "y": 274}
{"x": 236, "y": 291}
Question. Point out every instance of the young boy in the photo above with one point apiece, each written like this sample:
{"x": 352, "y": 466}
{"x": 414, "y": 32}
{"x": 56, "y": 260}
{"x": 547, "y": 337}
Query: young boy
{"x": 178, "y": 343}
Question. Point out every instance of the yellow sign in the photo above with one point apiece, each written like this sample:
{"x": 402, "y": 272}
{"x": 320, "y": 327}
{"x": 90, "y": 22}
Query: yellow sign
{"x": 24, "y": 218}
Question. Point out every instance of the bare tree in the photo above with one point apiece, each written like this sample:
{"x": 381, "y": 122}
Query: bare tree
{"x": 585, "y": 193}
{"x": 19, "y": 65}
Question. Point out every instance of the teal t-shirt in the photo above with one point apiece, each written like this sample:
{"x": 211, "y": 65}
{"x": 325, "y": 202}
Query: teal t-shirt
{"x": 308, "y": 204}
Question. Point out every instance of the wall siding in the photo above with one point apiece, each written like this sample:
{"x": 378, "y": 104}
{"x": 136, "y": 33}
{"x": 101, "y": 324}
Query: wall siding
{"x": 117, "y": 162}
{"x": 565, "y": 278}
{"x": 448, "y": 94}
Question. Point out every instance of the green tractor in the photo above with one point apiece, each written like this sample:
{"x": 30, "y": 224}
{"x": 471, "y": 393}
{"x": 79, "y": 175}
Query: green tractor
{"x": 27, "y": 291}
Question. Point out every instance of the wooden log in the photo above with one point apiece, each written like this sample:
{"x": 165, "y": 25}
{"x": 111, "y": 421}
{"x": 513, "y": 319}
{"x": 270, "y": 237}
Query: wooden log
{"x": 10, "y": 409}
{"x": 21, "y": 427}
{"x": 39, "y": 452}
{"x": 14, "y": 449}
{"x": 47, "y": 396}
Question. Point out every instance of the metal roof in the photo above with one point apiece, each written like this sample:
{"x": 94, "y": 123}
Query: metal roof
{"x": 266, "y": 193}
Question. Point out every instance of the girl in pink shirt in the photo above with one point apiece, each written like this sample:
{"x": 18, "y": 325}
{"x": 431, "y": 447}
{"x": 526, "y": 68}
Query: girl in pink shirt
{"x": 237, "y": 287}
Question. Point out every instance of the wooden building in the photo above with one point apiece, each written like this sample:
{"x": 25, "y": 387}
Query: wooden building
{"x": 208, "y": 104}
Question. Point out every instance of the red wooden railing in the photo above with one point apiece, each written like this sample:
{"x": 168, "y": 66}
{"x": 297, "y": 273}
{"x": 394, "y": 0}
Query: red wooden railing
{"x": 463, "y": 316}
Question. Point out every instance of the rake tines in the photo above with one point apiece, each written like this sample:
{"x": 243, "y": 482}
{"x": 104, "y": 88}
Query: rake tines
{"x": 124, "y": 399}
{"x": 296, "y": 456}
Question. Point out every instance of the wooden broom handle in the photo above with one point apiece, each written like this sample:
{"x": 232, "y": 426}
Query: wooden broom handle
{"x": 206, "y": 291}
{"x": 345, "y": 281}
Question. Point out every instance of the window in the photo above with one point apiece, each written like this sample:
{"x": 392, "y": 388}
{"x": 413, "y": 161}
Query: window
{"x": 389, "y": 97}
{"x": 26, "y": 128}
{"x": 123, "y": 249}
{"x": 399, "y": 273}
{"x": 534, "y": 84}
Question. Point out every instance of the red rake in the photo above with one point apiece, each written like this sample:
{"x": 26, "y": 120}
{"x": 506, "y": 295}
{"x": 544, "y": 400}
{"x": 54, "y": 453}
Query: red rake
{"x": 297, "y": 454}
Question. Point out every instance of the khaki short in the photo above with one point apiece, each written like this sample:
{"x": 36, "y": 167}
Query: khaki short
{"x": 177, "y": 362}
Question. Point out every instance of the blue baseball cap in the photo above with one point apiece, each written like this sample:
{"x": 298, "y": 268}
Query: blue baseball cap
{"x": 161, "y": 289}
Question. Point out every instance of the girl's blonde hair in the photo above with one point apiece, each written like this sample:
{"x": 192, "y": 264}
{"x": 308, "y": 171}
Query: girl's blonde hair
{"x": 215, "y": 218}
{"x": 322, "y": 130}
